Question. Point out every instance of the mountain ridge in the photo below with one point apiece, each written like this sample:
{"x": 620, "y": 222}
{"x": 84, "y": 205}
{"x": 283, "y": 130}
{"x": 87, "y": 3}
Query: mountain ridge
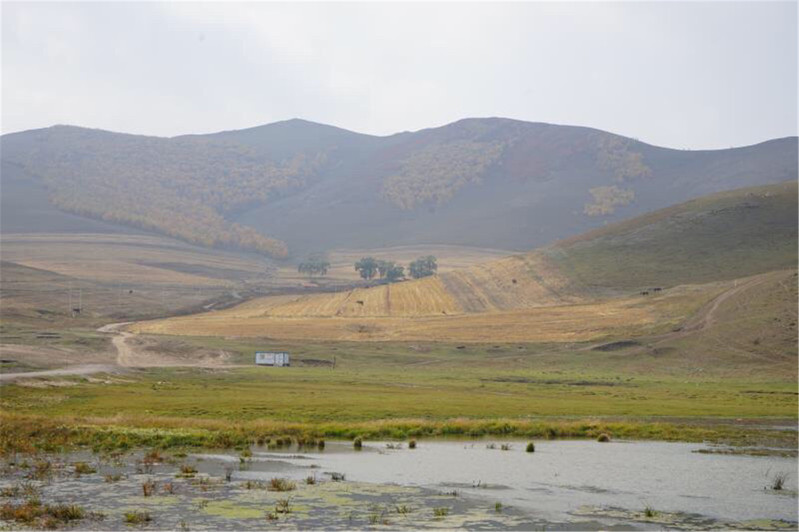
{"x": 487, "y": 182}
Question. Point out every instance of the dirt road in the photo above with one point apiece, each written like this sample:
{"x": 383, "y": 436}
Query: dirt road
{"x": 83, "y": 369}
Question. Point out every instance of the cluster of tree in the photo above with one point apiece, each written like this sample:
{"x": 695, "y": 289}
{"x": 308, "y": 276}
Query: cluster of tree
{"x": 606, "y": 199}
{"x": 314, "y": 265}
{"x": 615, "y": 154}
{"x": 435, "y": 173}
{"x": 181, "y": 187}
{"x": 370, "y": 267}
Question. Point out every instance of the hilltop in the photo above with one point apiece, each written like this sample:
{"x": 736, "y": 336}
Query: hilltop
{"x": 293, "y": 187}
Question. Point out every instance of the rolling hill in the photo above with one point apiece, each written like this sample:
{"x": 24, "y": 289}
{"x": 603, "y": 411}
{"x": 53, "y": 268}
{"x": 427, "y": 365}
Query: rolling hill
{"x": 294, "y": 187}
{"x": 574, "y": 289}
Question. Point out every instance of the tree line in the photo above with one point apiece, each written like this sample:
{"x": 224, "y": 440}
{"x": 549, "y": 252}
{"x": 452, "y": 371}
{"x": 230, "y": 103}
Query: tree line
{"x": 370, "y": 268}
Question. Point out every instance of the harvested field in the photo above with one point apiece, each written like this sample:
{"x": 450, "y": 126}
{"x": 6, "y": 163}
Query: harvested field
{"x": 304, "y": 318}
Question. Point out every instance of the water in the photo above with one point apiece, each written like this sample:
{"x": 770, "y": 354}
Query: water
{"x": 563, "y": 477}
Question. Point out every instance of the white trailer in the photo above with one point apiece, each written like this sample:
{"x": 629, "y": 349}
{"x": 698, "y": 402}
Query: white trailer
{"x": 272, "y": 358}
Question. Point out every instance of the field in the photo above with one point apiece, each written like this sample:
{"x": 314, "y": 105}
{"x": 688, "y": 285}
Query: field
{"x": 399, "y": 389}
{"x": 675, "y": 384}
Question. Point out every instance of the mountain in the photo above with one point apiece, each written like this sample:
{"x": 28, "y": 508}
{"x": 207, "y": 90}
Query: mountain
{"x": 296, "y": 187}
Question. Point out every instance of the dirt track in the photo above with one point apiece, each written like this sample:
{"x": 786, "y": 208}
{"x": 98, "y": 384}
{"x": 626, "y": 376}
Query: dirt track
{"x": 126, "y": 357}
{"x": 83, "y": 369}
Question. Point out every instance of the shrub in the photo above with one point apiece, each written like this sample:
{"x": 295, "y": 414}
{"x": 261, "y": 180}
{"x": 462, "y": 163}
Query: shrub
{"x": 604, "y": 437}
{"x": 530, "y": 447}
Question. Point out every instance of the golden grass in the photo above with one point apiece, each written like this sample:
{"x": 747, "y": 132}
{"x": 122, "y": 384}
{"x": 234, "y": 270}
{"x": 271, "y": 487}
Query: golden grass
{"x": 511, "y": 283}
{"x": 271, "y": 317}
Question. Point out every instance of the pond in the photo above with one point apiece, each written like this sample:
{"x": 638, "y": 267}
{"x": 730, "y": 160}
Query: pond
{"x": 440, "y": 484}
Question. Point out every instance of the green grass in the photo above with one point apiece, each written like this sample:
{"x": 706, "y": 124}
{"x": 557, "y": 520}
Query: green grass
{"x": 446, "y": 390}
{"x": 722, "y": 236}
{"x": 404, "y": 391}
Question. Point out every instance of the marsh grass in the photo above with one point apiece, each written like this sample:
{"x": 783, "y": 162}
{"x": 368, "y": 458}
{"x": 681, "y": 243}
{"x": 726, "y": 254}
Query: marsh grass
{"x": 137, "y": 517}
{"x": 283, "y": 506}
{"x": 187, "y": 471}
{"x": 498, "y": 507}
{"x": 33, "y": 513}
{"x": 41, "y": 470}
{"x": 281, "y": 484}
{"x": 778, "y": 481}
{"x": 254, "y": 485}
{"x": 112, "y": 477}
{"x": 148, "y": 487}
{"x": 403, "y": 509}
{"x": 440, "y": 512}
{"x": 530, "y": 447}
{"x": 603, "y": 438}
{"x": 31, "y": 434}
{"x": 83, "y": 468}
{"x": 650, "y": 512}
{"x": 505, "y": 447}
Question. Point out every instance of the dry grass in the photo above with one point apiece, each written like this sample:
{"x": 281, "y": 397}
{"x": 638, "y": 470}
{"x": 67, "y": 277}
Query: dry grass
{"x": 564, "y": 323}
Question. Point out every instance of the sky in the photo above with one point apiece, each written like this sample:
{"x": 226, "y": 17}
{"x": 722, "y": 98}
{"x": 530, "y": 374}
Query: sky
{"x": 698, "y": 75}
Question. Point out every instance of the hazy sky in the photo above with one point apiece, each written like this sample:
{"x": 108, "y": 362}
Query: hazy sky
{"x": 699, "y": 75}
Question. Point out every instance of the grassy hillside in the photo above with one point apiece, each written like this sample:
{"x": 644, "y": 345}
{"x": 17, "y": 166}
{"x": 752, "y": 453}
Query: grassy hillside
{"x": 296, "y": 187}
{"x": 723, "y": 236}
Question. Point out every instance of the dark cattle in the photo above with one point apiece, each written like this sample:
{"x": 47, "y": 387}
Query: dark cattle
{"x": 645, "y": 293}
{"x": 360, "y": 302}
{"x": 513, "y": 281}
{"x": 657, "y": 289}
